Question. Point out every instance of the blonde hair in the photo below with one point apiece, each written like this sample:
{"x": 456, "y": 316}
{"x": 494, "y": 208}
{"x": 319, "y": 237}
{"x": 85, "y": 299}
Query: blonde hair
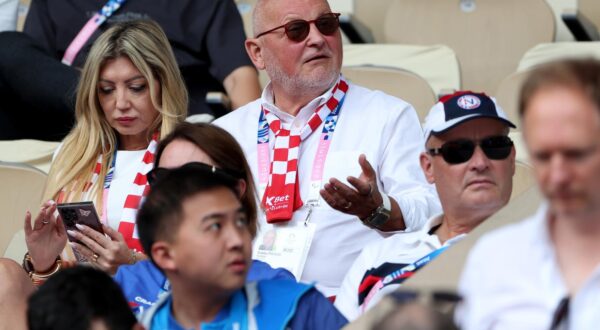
{"x": 145, "y": 44}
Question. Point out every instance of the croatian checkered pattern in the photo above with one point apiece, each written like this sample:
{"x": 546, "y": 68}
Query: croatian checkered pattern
{"x": 283, "y": 174}
{"x": 139, "y": 189}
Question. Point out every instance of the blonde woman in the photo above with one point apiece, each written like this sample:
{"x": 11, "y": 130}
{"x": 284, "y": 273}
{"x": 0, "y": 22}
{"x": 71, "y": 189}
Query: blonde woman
{"x": 130, "y": 95}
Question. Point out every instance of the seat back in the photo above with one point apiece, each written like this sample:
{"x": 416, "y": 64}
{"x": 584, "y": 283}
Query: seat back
{"x": 488, "y": 36}
{"x": 591, "y": 10}
{"x": 21, "y": 190}
{"x": 370, "y": 13}
{"x": 400, "y": 83}
{"x": 437, "y": 64}
{"x": 507, "y": 95}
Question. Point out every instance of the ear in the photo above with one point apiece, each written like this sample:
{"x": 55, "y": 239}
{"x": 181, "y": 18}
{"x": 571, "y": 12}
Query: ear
{"x": 427, "y": 167}
{"x": 254, "y": 50}
{"x": 162, "y": 254}
{"x": 242, "y": 188}
{"x": 512, "y": 157}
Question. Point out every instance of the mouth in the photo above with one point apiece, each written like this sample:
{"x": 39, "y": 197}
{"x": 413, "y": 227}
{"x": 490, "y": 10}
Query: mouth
{"x": 238, "y": 266}
{"x": 316, "y": 58}
{"x": 125, "y": 120}
{"x": 481, "y": 182}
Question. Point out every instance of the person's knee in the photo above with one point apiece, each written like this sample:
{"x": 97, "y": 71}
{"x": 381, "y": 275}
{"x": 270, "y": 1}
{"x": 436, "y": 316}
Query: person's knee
{"x": 14, "y": 278}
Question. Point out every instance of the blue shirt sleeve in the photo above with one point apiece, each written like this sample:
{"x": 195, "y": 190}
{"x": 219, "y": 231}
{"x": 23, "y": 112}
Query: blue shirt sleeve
{"x": 263, "y": 271}
{"x": 316, "y": 312}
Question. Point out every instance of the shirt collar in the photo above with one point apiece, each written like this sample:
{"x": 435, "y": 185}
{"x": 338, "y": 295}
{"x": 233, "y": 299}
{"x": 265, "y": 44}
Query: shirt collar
{"x": 268, "y": 102}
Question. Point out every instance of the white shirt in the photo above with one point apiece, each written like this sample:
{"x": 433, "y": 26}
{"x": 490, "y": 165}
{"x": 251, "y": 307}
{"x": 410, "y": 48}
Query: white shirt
{"x": 379, "y": 259}
{"x": 127, "y": 167}
{"x": 387, "y": 131}
{"x": 512, "y": 281}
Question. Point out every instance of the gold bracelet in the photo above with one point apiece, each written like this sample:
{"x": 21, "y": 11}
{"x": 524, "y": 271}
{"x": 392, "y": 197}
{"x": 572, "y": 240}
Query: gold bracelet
{"x": 39, "y": 278}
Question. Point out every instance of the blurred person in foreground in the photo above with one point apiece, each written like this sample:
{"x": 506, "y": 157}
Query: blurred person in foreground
{"x": 544, "y": 273}
{"x": 80, "y": 298}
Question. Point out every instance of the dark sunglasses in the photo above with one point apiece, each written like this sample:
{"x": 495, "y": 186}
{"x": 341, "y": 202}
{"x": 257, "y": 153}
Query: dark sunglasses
{"x": 158, "y": 173}
{"x": 460, "y": 151}
{"x": 298, "y": 30}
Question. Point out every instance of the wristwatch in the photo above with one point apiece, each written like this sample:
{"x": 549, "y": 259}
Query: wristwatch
{"x": 381, "y": 214}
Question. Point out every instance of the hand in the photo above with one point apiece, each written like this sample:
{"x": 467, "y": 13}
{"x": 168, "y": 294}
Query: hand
{"x": 361, "y": 199}
{"x": 107, "y": 252}
{"x": 46, "y": 239}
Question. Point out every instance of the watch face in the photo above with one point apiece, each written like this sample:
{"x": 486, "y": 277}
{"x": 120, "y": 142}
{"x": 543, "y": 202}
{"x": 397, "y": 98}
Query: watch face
{"x": 379, "y": 219}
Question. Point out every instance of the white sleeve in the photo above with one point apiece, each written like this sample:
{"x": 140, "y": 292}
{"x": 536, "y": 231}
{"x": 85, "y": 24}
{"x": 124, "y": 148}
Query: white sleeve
{"x": 347, "y": 299}
{"x": 8, "y": 15}
{"x": 399, "y": 170}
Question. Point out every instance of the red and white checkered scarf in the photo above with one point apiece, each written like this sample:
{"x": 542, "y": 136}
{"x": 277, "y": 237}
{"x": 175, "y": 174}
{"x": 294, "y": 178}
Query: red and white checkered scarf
{"x": 282, "y": 195}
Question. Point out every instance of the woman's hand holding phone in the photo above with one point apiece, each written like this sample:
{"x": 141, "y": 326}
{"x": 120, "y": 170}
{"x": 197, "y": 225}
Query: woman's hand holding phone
{"x": 107, "y": 252}
{"x": 46, "y": 238}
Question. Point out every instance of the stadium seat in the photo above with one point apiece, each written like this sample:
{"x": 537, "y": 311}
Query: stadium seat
{"x": 591, "y": 10}
{"x": 507, "y": 93}
{"x": 488, "y": 36}
{"x": 36, "y": 153}
{"x": 437, "y": 64}
{"x": 400, "y": 83}
{"x": 21, "y": 190}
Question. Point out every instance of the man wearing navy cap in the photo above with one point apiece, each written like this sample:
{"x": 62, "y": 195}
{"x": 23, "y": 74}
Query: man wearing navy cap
{"x": 471, "y": 160}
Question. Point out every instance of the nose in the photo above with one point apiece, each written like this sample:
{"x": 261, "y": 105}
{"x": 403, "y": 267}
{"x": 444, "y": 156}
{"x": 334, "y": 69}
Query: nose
{"x": 315, "y": 37}
{"x": 121, "y": 99}
{"x": 558, "y": 172}
{"x": 479, "y": 161}
{"x": 235, "y": 237}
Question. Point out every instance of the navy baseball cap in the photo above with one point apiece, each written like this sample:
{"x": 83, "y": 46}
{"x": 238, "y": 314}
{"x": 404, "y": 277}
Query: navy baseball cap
{"x": 459, "y": 108}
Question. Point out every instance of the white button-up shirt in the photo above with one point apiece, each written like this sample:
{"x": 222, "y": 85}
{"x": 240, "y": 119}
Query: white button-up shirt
{"x": 385, "y": 129}
{"x": 380, "y": 258}
{"x": 512, "y": 281}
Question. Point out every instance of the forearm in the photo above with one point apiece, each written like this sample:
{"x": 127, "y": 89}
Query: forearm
{"x": 242, "y": 86}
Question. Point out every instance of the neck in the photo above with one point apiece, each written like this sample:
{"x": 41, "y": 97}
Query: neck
{"x": 577, "y": 232}
{"x": 130, "y": 142}
{"x": 452, "y": 226}
{"x": 576, "y": 242}
{"x": 193, "y": 305}
{"x": 292, "y": 101}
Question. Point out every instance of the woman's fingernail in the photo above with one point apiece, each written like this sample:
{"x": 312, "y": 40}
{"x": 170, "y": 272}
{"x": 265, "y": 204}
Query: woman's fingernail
{"x": 72, "y": 233}
{"x": 80, "y": 227}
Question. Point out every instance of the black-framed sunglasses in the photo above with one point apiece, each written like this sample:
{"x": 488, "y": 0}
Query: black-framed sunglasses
{"x": 460, "y": 151}
{"x": 157, "y": 173}
{"x": 298, "y": 30}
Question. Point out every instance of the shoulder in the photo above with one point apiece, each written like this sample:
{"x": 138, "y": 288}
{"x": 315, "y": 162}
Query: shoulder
{"x": 240, "y": 116}
{"x": 141, "y": 270}
{"x": 263, "y": 271}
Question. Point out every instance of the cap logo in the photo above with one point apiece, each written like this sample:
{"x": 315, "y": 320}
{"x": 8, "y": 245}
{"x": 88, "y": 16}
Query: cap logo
{"x": 468, "y": 102}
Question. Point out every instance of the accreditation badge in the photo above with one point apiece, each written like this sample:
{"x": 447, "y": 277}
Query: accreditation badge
{"x": 285, "y": 246}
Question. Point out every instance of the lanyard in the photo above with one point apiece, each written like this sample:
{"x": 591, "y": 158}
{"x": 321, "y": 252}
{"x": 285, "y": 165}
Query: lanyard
{"x": 264, "y": 162}
{"x": 89, "y": 28}
{"x": 401, "y": 274}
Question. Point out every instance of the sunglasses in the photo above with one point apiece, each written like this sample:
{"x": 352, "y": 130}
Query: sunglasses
{"x": 158, "y": 173}
{"x": 298, "y": 30}
{"x": 460, "y": 151}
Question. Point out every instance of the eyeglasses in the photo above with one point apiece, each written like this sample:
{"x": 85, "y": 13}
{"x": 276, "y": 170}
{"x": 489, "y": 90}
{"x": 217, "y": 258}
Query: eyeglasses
{"x": 298, "y": 30}
{"x": 157, "y": 173}
{"x": 460, "y": 151}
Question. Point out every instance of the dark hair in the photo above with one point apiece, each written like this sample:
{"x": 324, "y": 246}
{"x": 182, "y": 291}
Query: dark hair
{"x": 161, "y": 214}
{"x": 227, "y": 154}
{"x": 580, "y": 74}
{"x": 76, "y": 297}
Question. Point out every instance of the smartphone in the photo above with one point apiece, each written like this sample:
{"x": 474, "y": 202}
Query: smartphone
{"x": 83, "y": 213}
